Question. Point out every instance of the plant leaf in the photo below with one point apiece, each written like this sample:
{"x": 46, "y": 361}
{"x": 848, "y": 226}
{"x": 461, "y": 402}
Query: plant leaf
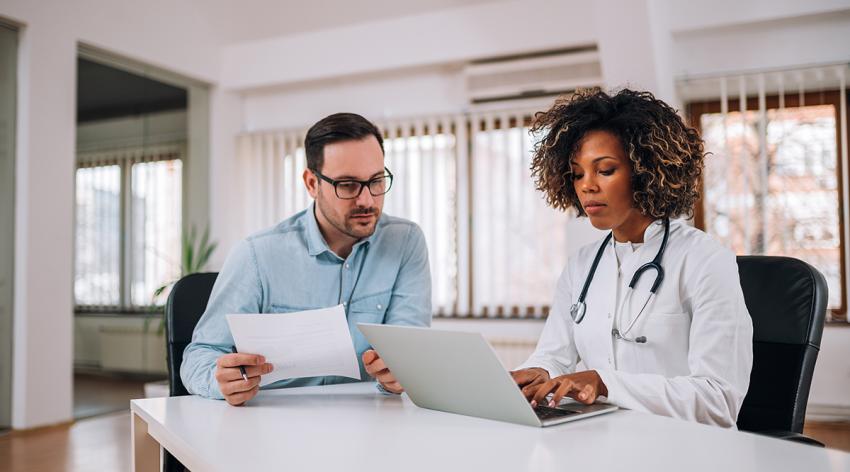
{"x": 202, "y": 246}
{"x": 204, "y": 256}
{"x": 188, "y": 252}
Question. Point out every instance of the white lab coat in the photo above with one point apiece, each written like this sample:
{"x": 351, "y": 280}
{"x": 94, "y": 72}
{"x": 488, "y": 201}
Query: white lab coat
{"x": 695, "y": 364}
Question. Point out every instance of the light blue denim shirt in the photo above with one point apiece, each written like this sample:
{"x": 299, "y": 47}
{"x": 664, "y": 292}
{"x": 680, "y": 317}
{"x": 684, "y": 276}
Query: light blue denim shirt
{"x": 385, "y": 279}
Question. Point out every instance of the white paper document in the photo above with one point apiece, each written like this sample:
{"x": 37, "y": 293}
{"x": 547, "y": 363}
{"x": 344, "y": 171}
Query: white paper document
{"x": 301, "y": 344}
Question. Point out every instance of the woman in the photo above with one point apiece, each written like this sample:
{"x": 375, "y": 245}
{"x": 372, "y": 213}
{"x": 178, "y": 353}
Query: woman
{"x": 679, "y": 341}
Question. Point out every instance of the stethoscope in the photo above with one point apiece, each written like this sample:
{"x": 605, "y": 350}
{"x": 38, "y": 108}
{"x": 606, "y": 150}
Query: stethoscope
{"x": 579, "y": 308}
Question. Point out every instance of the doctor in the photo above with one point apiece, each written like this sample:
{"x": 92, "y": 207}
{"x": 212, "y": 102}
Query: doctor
{"x": 654, "y": 310}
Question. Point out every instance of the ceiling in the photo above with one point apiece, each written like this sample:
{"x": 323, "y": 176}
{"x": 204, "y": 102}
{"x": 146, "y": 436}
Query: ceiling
{"x": 106, "y": 92}
{"x": 248, "y": 20}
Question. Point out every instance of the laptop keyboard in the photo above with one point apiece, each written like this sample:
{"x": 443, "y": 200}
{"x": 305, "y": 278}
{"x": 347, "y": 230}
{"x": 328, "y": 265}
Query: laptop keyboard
{"x": 546, "y": 413}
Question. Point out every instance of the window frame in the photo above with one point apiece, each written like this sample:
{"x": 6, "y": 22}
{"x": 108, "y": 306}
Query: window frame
{"x": 694, "y": 111}
{"x": 125, "y": 195}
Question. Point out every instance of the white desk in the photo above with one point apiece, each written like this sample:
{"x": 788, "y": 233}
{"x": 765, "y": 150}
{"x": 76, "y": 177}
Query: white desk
{"x": 353, "y": 428}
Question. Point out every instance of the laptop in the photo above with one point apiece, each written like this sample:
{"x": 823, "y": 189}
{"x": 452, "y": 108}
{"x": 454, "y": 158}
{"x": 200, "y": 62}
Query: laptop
{"x": 459, "y": 372}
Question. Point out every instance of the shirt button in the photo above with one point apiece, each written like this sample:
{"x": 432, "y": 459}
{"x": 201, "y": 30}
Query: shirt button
{"x": 347, "y": 266}
{"x": 344, "y": 303}
{"x": 379, "y": 306}
{"x": 609, "y": 360}
{"x": 609, "y": 316}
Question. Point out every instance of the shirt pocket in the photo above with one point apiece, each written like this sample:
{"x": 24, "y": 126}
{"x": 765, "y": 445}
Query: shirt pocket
{"x": 366, "y": 309}
{"x": 286, "y": 308}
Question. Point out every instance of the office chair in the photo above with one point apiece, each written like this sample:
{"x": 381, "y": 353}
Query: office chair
{"x": 786, "y": 298}
{"x": 186, "y": 303}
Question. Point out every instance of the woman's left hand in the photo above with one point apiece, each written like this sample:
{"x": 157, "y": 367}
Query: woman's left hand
{"x": 582, "y": 386}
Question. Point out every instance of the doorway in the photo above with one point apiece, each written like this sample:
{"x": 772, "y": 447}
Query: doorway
{"x": 141, "y": 153}
{"x": 8, "y": 111}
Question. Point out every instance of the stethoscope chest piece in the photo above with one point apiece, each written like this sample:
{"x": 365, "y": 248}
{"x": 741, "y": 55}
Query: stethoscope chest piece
{"x": 577, "y": 311}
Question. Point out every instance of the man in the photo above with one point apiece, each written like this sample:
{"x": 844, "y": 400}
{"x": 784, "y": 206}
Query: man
{"x": 341, "y": 250}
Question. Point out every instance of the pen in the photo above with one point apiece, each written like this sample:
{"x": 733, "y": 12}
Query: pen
{"x": 241, "y": 367}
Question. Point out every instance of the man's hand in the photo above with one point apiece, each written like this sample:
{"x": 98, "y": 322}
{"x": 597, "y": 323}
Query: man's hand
{"x": 582, "y": 386}
{"x": 528, "y": 379}
{"x": 378, "y": 370}
{"x": 235, "y": 389}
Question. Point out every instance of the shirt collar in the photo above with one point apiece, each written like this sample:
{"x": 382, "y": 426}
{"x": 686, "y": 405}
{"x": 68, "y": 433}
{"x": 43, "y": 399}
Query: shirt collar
{"x": 316, "y": 243}
{"x": 654, "y": 229}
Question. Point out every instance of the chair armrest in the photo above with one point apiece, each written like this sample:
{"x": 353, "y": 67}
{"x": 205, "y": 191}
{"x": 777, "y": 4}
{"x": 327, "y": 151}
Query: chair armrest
{"x": 790, "y": 436}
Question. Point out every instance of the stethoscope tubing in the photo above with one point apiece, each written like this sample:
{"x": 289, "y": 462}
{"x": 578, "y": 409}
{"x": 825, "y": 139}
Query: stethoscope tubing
{"x": 579, "y": 309}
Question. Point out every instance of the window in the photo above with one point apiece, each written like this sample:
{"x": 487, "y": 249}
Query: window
{"x": 98, "y": 236}
{"x": 422, "y": 157}
{"x": 128, "y": 227}
{"x": 155, "y": 228}
{"x": 773, "y": 179}
{"x": 518, "y": 241}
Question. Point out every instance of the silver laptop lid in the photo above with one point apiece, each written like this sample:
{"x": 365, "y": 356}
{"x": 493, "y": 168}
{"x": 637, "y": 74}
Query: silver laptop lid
{"x": 450, "y": 371}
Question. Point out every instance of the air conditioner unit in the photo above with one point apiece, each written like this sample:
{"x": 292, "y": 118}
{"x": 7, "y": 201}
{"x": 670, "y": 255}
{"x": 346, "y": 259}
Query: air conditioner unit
{"x": 531, "y": 75}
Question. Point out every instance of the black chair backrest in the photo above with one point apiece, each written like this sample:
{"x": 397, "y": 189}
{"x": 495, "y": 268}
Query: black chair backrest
{"x": 186, "y": 303}
{"x": 787, "y": 301}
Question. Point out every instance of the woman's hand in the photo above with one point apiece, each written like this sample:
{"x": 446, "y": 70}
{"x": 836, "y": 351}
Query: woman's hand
{"x": 582, "y": 386}
{"x": 529, "y": 379}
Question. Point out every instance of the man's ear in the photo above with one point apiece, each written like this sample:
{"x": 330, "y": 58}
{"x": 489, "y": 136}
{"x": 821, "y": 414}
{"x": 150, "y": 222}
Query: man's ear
{"x": 311, "y": 182}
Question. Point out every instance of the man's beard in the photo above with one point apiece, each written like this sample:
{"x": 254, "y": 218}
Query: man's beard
{"x": 348, "y": 226}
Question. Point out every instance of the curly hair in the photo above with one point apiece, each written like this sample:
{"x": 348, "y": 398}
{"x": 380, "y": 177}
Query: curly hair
{"x": 666, "y": 155}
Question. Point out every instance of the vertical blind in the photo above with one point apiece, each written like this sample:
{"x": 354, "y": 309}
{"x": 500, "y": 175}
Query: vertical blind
{"x": 519, "y": 243}
{"x": 777, "y": 174}
{"x": 128, "y": 226}
{"x": 495, "y": 248}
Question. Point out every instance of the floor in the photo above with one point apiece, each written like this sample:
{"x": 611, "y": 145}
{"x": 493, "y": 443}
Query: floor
{"x": 96, "y": 444}
{"x": 97, "y": 394}
{"x": 99, "y": 439}
{"x": 835, "y": 435}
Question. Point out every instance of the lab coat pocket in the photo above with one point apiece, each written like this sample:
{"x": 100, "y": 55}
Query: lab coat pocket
{"x": 667, "y": 341}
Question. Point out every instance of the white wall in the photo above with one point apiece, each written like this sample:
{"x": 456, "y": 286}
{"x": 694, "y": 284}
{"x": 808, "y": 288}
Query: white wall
{"x": 692, "y": 16}
{"x": 226, "y": 122}
{"x": 443, "y": 37}
{"x": 162, "y": 33}
{"x": 404, "y": 93}
{"x": 814, "y": 39}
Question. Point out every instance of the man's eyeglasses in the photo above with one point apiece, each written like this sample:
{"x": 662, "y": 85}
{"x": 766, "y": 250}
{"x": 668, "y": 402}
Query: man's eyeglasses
{"x": 350, "y": 189}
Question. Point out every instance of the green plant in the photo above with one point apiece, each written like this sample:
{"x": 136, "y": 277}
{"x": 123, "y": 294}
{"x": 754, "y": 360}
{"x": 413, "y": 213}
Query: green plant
{"x": 194, "y": 256}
